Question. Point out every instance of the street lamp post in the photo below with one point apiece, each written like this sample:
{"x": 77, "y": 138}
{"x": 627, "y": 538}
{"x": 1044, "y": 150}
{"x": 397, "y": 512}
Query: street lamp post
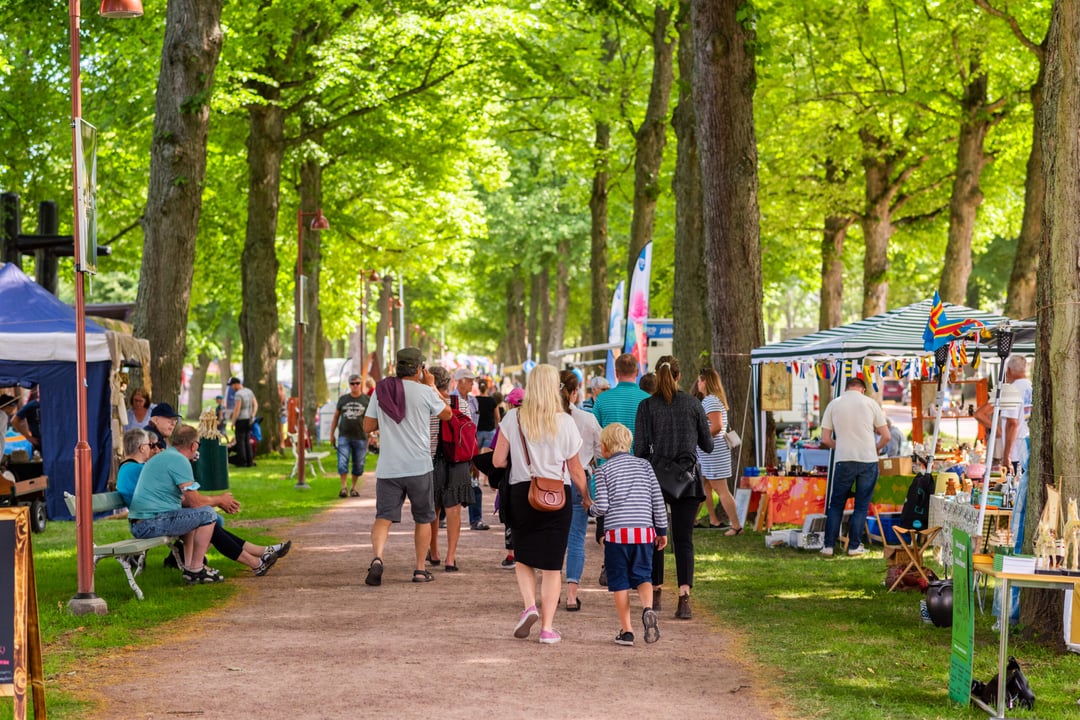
{"x": 85, "y": 601}
{"x": 318, "y": 222}
{"x": 365, "y": 302}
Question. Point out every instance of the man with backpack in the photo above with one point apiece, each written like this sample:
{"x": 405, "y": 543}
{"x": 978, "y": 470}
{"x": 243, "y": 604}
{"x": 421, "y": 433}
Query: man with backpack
{"x": 849, "y": 426}
{"x": 463, "y": 385}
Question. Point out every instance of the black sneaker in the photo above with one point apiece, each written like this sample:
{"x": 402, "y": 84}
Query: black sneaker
{"x": 202, "y": 576}
{"x": 268, "y": 560}
{"x": 280, "y": 549}
{"x": 625, "y": 637}
{"x": 480, "y": 525}
{"x": 652, "y": 625}
{"x": 508, "y": 563}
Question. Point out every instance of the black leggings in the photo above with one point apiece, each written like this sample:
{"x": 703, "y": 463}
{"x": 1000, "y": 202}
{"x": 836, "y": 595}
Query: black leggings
{"x": 226, "y": 543}
{"x": 681, "y": 537}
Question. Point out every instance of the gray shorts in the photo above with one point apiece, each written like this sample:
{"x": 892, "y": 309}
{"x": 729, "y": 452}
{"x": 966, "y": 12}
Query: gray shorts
{"x": 390, "y": 494}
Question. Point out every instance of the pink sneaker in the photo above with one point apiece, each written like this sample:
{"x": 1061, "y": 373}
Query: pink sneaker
{"x": 549, "y": 637}
{"x": 528, "y": 618}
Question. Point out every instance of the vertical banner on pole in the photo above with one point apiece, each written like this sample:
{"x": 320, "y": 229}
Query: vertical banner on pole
{"x": 637, "y": 314}
{"x": 86, "y": 138}
{"x": 963, "y": 623}
{"x": 616, "y": 329}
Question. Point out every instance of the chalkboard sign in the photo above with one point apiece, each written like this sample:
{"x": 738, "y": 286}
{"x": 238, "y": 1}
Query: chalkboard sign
{"x": 20, "y": 637}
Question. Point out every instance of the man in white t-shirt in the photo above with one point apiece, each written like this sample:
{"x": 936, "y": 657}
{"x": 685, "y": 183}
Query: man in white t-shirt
{"x": 854, "y": 425}
{"x": 401, "y": 409}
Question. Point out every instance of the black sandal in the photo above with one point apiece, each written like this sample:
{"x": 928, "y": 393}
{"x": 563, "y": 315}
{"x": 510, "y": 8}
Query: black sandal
{"x": 729, "y": 533}
{"x": 575, "y": 607}
{"x": 436, "y": 561}
{"x": 374, "y": 573}
{"x": 422, "y": 576}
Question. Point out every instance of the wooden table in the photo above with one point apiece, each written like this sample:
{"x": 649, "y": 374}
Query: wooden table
{"x": 1046, "y": 582}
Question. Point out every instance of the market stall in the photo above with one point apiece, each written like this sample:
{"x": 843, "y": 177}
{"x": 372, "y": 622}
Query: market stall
{"x": 37, "y": 346}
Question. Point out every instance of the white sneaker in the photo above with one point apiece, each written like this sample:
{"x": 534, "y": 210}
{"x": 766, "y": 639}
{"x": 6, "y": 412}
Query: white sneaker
{"x": 861, "y": 550}
{"x": 827, "y": 552}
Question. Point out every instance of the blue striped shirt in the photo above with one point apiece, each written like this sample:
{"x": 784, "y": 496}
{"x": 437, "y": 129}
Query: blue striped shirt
{"x": 628, "y": 497}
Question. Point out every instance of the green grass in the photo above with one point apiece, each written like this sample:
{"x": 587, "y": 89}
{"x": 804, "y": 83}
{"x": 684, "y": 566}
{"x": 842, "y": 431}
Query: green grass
{"x": 838, "y": 645}
{"x": 268, "y": 501}
{"x": 824, "y": 633}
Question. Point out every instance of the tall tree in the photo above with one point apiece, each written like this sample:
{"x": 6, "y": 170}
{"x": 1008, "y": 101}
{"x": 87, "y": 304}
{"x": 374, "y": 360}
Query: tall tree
{"x": 170, "y": 223}
{"x": 1020, "y": 302}
{"x": 977, "y": 117}
{"x": 1056, "y": 406}
{"x": 691, "y": 341}
{"x": 650, "y": 137}
{"x": 723, "y": 86}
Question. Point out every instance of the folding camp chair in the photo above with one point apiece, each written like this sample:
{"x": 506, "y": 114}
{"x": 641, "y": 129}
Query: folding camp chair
{"x": 913, "y": 543}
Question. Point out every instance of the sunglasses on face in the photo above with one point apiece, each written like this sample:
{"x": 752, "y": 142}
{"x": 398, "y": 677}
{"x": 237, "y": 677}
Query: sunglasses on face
{"x": 354, "y": 383}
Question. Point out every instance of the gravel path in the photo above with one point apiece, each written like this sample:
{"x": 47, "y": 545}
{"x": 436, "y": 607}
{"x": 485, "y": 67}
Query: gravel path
{"x": 310, "y": 640}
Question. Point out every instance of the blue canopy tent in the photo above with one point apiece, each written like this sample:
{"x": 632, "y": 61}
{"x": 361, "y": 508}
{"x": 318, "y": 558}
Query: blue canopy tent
{"x": 37, "y": 346}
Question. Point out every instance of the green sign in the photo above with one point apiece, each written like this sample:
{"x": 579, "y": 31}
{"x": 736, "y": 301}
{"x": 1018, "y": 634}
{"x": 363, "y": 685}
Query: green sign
{"x": 963, "y": 622}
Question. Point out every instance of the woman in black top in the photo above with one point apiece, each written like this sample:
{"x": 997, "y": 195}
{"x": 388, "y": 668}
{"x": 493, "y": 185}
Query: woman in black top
{"x": 669, "y": 426}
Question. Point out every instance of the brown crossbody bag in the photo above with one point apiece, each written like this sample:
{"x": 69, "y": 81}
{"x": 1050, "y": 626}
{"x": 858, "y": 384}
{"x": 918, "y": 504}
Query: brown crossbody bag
{"x": 545, "y": 494}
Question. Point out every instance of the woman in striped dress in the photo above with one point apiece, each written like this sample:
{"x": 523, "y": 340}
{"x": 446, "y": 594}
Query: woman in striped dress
{"x": 716, "y": 465}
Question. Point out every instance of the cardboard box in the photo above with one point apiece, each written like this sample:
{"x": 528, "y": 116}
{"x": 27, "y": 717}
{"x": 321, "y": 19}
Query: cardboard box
{"x": 894, "y": 466}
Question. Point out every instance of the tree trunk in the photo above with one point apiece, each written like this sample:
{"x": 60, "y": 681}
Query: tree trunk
{"x": 966, "y": 197}
{"x": 259, "y": 263}
{"x": 195, "y": 387}
{"x": 515, "y": 318}
{"x": 723, "y": 86}
{"x": 562, "y": 295}
{"x": 877, "y": 229}
{"x": 382, "y": 328}
{"x": 534, "y": 317}
{"x": 544, "y": 286}
{"x": 225, "y": 366}
{"x": 598, "y": 236}
{"x": 170, "y": 223}
{"x": 1020, "y": 302}
{"x": 310, "y": 203}
{"x": 831, "y": 305}
{"x": 691, "y": 341}
{"x": 1055, "y": 411}
{"x": 650, "y": 138}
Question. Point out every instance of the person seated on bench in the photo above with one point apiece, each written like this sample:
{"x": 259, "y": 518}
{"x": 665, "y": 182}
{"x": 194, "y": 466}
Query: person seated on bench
{"x": 260, "y": 558}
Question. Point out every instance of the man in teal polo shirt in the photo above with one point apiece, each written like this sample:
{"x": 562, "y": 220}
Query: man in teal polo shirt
{"x": 620, "y": 403}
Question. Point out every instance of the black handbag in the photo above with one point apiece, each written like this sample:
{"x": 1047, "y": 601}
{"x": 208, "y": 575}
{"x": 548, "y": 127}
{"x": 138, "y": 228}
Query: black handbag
{"x": 679, "y": 478}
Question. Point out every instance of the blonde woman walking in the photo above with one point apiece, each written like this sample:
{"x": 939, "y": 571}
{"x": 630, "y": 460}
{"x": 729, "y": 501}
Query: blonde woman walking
{"x": 541, "y": 428}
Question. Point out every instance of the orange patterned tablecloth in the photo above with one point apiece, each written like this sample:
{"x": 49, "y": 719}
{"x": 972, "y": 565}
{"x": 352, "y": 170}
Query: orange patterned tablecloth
{"x": 792, "y": 498}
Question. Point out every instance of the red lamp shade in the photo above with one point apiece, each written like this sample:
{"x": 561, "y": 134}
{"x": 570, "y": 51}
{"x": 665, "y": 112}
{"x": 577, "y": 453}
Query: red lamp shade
{"x": 319, "y": 222}
{"x": 121, "y": 8}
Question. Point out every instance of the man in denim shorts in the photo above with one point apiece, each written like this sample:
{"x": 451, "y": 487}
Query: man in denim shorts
{"x": 348, "y": 425}
{"x": 157, "y": 508}
{"x": 401, "y": 409}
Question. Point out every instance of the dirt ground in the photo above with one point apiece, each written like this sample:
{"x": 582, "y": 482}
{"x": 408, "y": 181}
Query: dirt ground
{"x": 310, "y": 640}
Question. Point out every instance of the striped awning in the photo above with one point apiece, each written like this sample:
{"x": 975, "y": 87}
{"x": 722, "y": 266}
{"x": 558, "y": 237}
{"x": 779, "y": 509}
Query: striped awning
{"x": 894, "y": 334}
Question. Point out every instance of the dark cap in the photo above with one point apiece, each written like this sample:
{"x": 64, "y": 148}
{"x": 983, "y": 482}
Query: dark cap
{"x": 235, "y": 381}
{"x": 355, "y": 378}
{"x": 410, "y": 356}
{"x": 164, "y": 410}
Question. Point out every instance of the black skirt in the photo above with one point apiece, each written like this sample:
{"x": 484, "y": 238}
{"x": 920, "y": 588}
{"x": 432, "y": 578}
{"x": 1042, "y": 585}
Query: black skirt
{"x": 451, "y": 483}
{"x": 539, "y": 537}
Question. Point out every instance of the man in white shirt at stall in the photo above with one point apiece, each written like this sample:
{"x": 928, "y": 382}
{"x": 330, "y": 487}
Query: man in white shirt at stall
{"x": 854, "y": 425}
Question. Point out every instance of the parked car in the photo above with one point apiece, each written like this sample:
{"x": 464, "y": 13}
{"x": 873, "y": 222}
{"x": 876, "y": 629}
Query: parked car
{"x": 894, "y": 390}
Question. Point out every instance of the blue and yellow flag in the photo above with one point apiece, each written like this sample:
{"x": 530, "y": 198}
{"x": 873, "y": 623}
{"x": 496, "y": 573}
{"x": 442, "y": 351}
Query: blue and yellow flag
{"x": 940, "y": 330}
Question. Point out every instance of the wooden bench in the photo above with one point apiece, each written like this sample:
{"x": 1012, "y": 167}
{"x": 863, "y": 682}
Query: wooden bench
{"x": 130, "y": 553}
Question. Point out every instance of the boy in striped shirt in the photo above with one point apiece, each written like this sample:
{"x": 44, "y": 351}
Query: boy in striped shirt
{"x": 635, "y": 521}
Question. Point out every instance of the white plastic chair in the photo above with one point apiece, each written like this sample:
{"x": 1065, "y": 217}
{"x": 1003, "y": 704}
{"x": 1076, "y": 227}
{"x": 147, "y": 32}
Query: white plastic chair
{"x": 311, "y": 457}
